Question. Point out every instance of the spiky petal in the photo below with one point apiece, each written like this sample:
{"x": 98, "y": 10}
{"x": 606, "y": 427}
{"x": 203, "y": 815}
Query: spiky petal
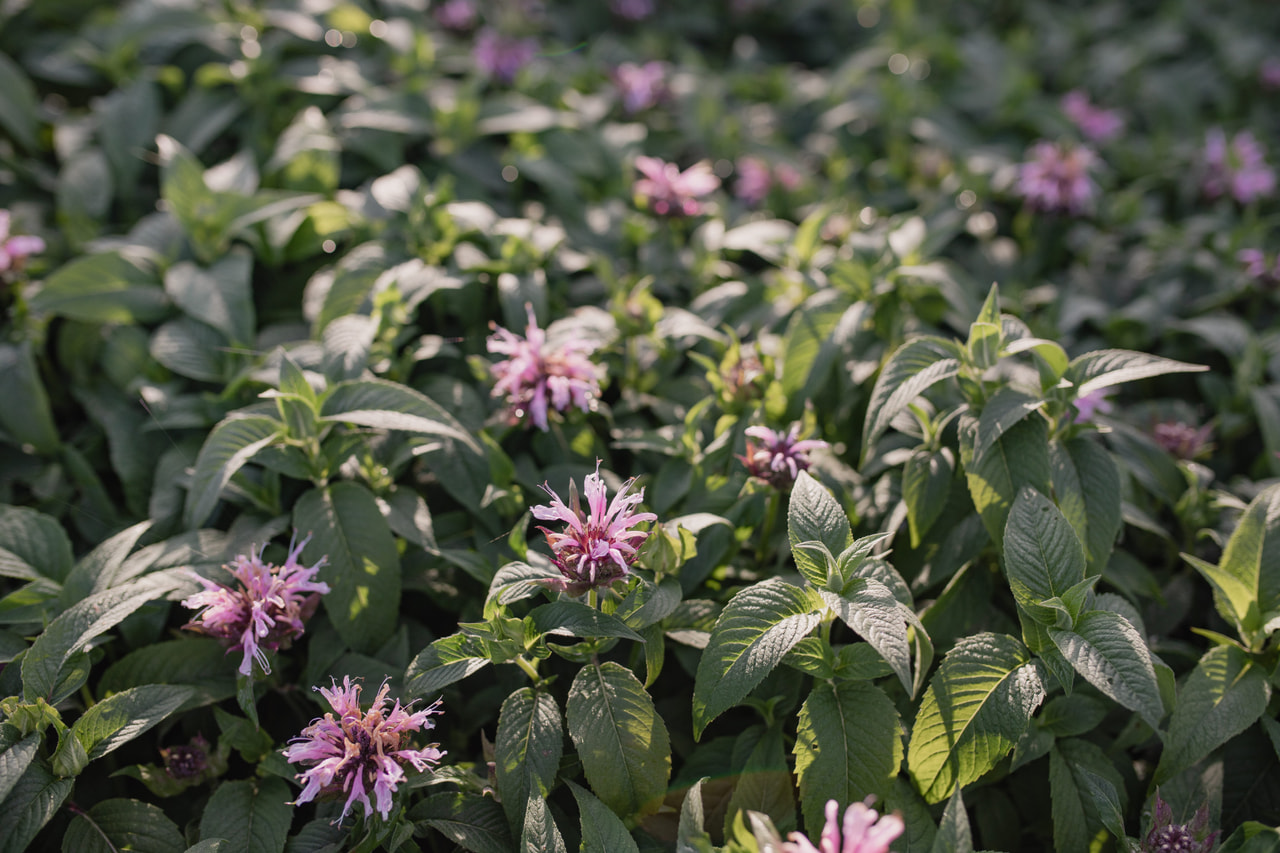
{"x": 537, "y": 377}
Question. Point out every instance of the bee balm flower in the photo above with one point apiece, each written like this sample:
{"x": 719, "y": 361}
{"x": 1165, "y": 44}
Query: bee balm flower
{"x": 1169, "y": 837}
{"x": 267, "y": 609}
{"x": 536, "y": 376}
{"x": 780, "y": 457}
{"x": 1097, "y": 124}
{"x": 1056, "y": 178}
{"x": 355, "y": 751}
{"x": 501, "y": 57}
{"x": 863, "y": 830}
{"x": 671, "y": 192}
{"x": 599, "y": 545}
{"x": 14, "y": 251}
{"x": 1239, "y": 168}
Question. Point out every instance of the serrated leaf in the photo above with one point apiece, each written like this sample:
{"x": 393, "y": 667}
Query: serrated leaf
{"x": 1006, "y": 407}
{"x": 870, "y": 609}
{"x": 35, "y": 798}
{"x": 119, "y": 824}
{"x": 977, "y": 705}
{"x": 1225, "y": 694}
{"x": 764, "y": 783}
{"x": 119, "y": 718}
{"x": 253, "y": 815}
{"x": 102, "y": 288}
{"x": 953, "y": 835}
{"x": 912, "y": 369}
{"x": 809, "y": 352}
{"x": 1107, "y": 367}
{"x": 540, "y": 835}
{"x": 95, "y": 571}
{"x": 219, "y": 295}
{"x": 517, "y": 581}
{"x": 691, "y": 829}
{"x": 14, "y": 760}
{"x": 848, "y": 745}
{"x": 197, "y": 662}
{"x": 230, "y": 444}
{"x": 382, "y": 404}
{"x": 813, "y": 515}
{"x": 191, "y": 349}
{"x": 27, "y": 418}
{"x": 1042, "y": 554}
{"x": 1107, "y": 650}
{"x": 926, "y": 485}
{"x": 1085, "y": 788}
{"x": 601, "y": 828}
{"x": 1099, "y": 479}
{"x": 1020, "y": 457}
{"x": 445, "y": 661}
{"x": 1070, "y": 829}
{"x": 752, "y": 635}
{"x": 363, "y": 565}
{"x": 621, "y": 740}
{"x": 527, "y": 749}
{"x": 577, "y": 619}
{"x": 471, "y": 821}
{"x": 36, "y": 539}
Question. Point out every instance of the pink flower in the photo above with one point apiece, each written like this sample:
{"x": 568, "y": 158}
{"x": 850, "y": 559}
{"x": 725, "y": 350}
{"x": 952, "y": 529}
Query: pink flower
{"x": 1056, "y": 178}
{"x": 780, "y": 458}
{"x": 633, "y": 10}
{"x": 641, "y": 86}
{"x": 1269, "y": 73}
{"x": 1169, "y": 837}
{"x": 456, "y": 15}
{"x": 1097, "y": 124}
{"x": 754, "y": 180}
{"x": 14, "y": 251}
{"x": 266, "y": 610}
{"x": 1256, "y": 267}
{"x": 1239, "y": 168}
{"x": 670, "y": 192}
{"x": 1089, "y": 405}
{"x": 354, "y": 751}
{"x": 1183, "y": 441}
{"x": 536, "y": 376}
{"x": 862, "y": 831}
{"x": 501, "y": 57}
{"x": 599, "y": 545}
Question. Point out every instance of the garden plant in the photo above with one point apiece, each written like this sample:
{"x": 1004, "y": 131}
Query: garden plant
{"x": 822, "y": 426}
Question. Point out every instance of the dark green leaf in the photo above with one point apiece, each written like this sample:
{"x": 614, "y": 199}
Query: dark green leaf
{"x": 813, "y": 515}
{"x": 912, "y": 369}
{"x": 870, "y": 609}
{"x": 1108, "y": 651}
{"x": 1042, "y": 554}
{"x": 230, "y": 444}
{"x": 576, "y": 619}
{"x": 1020, "y": 457}
{"x": 471, "y": 821}
{"x": 445, "y": 661}
{"x": 253, "y": 815}
{"x": 37, "y": 540}
{"x": 926, "y": 485}
{"x": 541, "y": 835}
{"x": 388, "y": 405}
{"x": 1006, "y": 407}
{"x": 101, "y": 289}
{"x": 14, "y": 761}
{"x": 19, "y": 108}
{"x": 601, "y": 828}
{"x": 35, "y": 798}
{"x": 27, "y": 418}
{"x": 527, "y": 749}
{"x": 953, "y": 835}
{"x": 1107, "y": 367}
{"x": 123, "y": 716}
{"x": 118, "y": 824}
{"x": 219, "y": 295}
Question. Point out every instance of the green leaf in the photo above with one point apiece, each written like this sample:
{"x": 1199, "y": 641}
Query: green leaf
{"x": 1252, "y": 837}
{"x": 601, "y": 828}
{"x": 1042, "y": 555}
{"x": 621, "y": 740}
{"x": 953, "y": 835}
{"x": 1070, "y": 829}
{"x": 920, "y": 830}
{"x": 977, "y": 705}
{"x": 1052, "y": 357}
{"x": 219, "y": 295}
{"x": 445, "y": 661}
{"x": 752, "y": 635}
{"x": 912, "y": 369}
{"x": 848, "y": 745}
{"x": 363, "y": 565}
{"x": 44, "y": 664}
{"x": 191, "y": 349}
{"x": 37, "y": 540}
{"x": 764, "y": 784}
{"x": 35, "y": 798}
{"x": 14, "y": 761}
{"x": 1099, "y": 479}
{"x": 347, "y": 286}
{"x": 870, "y": 609}
{"x": 20, "y": 107}
{"x": 1106, "y": 367}
{"x": 1112, "y": 656}
{"x": 1225, "y": 694}
{"x": 527, "y": 749}
{"x": 926, "y": 485}
{"x": 813, "y": 515}
{"x": 1006, "y": 407}
{"x": 119, "y": 718}
{"x": 692, "y": 827}
{"x": 253, "y": 815}
{"x": 119, "y": 824}
{"x": 1020, "y": 457}
{"x": 199, "y": 663}
{"x": 471, "y": 821}
{"x": 230, "y": 444}
{"x": 576, "y": 619}
{"x": 102, "y": 288}
{"x": 541, "y": 835}
{"x": 389, "y": 405}
{"x": 1087, "y": 794}
{"x": 809, "y": 352}
{"x": 27, "y": 418}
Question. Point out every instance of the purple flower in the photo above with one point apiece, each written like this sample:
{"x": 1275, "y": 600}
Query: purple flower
{"x": 456, "y": 15}
{"x": 1256, "y": 267}
{"x": 1269, "y": 73}
{"x": 1181, "y": 440}
{"x": 1169, "y": 837}
{"x": 501, "y": 57}
{"x": 1097, "y": 124}
{"x": 1090, "y": 405}
{"x": 1055, "y": 178}
{"x": 633, "y": 10}
{"x": 186, "y": 761}
{"x": 670, "y": 192}
{"x": 863, "y": 830}
{"x": 536, "y": 376}
{"x": 357, "y": 750}
{"x": 266, "y": 610}
{"x": 641, "y": 86}
{"x": 755, "y": 179}
{"x": 14, "y": 251}
{"x": 599, "y": 545}
{"x": 1239, "y": 168}
{"x": 780, "y": 457}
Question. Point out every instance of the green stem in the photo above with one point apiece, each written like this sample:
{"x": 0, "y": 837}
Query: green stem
{"x": 766, "y": 529}
{"x": 529, "y": 669}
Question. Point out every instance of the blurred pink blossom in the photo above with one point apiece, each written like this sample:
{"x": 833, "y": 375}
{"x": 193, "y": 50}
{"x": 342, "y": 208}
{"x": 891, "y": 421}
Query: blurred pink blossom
{"x": 1257, "y": 268}
{"x": 456, "y": 15}
{"x": 502, "y": 57}
{"x": 863, "y": 830}
{"x": 1056, "y": 178}
{"x": 780, "y": 456}
{"x": 14, "y": 250}
{"x": 633, "y": 10}
{"x": 1239, "y": 168}
{"x": 1182, "y": 440}
{"x": 1269, "y": 73}
{"x": 1089, "y": 406}
{"x": 1097, "y": 124}
{"x": 536, "y": 376}
{"x": 671, "y": 192}
{"x": 641, "y": 86}
{"x": 755, "y": 179}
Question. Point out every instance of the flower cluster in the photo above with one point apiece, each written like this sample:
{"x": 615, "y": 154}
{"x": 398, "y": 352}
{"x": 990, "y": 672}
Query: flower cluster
{"x": 352, "y": 751}
{"x": 863, "y": 830}
{"x": 502, "y": 57}
{"x": 780, "y": 456}
{"x": 599, "y": 545}
{"x": 1088, "y": 406}
{"x": 456, "y": 15}
{"x": 1239, "y": 168}
{"x": 186, "y": 761}
{"x": 1095, "y": 123}
{"x": 670, "y": 192}
{"x": 1182, "y": 440}
{"x": 268, "y": 607}
{"x": 641, "y": 86}
{"x": 536, "y": 376}
{"x": 1056, "y": 178}
{"x": 633, "y": 10}
{"x": 14, "y": 250}
{"x": 1257, "y": 268}
{"x": 1169, "y": 837}
{"x": 756, "y": 178}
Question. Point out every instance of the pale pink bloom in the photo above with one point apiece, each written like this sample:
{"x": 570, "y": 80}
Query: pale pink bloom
{"x": 1239, "y": 168}
{"x": 1090, "y": 405}
{"x": 352, "y": 751}
{"x": 633, "y": 10}
{"x": 501, "y": 57}
{"x": 863, "y": 830}
{"x": 671, "y": 192}
{"x": 1256, "y": 267}
{"x": 641, "y": 86}
{"x": 536, "y": 376}
{"x": 755, "y": 179}
{"x": 1056, "y": 178}
{"x": 598, "y": 546}
{"x": 788, "y": 176}
{"x": 1097, "y": 124}
{"x": 266, "y": 609}
{"x": 1269, "y": 73}
{"x": 1169, "y": 837}
{"x": 780, "y": 457}
{"x": 15, "y": 250}
{"x": 456, "y": 15}
{"x": 1182, "y": 440}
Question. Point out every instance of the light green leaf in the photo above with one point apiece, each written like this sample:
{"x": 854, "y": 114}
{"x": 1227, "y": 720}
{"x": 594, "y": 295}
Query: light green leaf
{"x": 102, "y": 288}
{"x": 1006, "y": 407}
{"x": 382, "y": 404}
{"x": 230, "y": 444}
{"x": 601, "y": 828}
{"x": 813, "y": 515}
{"x": 912, "y": 369}
{"x": 1108, "y": 651}
{"x": 445, "y": 661}
{"x": 253, "y": 815}
{"x": 1042, "y": 555}
{"x": 691, "y": 829}
{"x": 808, "y": 350}
{"x": 119, "y": 718}
{"x": 976, "y": 707}
{"x": 1107, "y": 367}
{"x": 869, "y": 608}
{"x": 1052, "y": 356}
{"x": 527, "y": 749}
{"x": 118, "y": 824}
{"x": 1020, "y": 457}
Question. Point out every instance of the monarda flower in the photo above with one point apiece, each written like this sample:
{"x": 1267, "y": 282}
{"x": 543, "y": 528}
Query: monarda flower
{"x": 598, "y": 546}
{"x": 1169, "y": 837}
{"x": 1238, "y": 168}
{"x": 353, "y": 752}
{"x": 863, "y": 830}
{"x": 670, "y": 192}
{"x": 1257, "y": 268}
{"x": 641, "y": 86}
{"x": 633, "y": 10}
{"x": 1095, "y": 123}
{"x": 186, "y": 761}
{"x": 456, "y": 15}
{"x": 501, "y": 57}
{"x": 536, "y": 376}
{"x": 15, "y": 250}
{"x": 266, "y": 609}
{"x": 780, "y": 456}
{"x": 1056, "y": 179}
{"x": 754, "y": 181}
{"x": 1183, "y": 441}
{"x": 1089, "y": 406}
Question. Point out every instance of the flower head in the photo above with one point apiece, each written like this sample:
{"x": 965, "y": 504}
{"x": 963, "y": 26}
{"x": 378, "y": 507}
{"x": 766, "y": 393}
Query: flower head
{"x": 755, "y": 179}
{"x": 1088, "y": 406}
{"x": 599, "y": 545}
{"x": 266, "y": 609}
{"x": 1056, "y": 178}
{"x": 352, "y": 751}
{"x": 14, "y": 251}
{"x": 1257, "y": 268}
{"x": 456, "y": 15}
{"x": 1097, "y": 124}
{"x": 641, "y": 86}
{"x": 671, "y": 192}
{"x": 633, "y": 10}
{"x": 536, "y": 376}
{"x": 501, "y": 57}
{"x": 1269, "y": 73}
{"x": 186, "y": 761}
{"x": 780, "y": 456}
{"x": 863, "y": 830}
{"x": 1239, "y": 168}
{"x": 1183, "y": 441}
{"x": 1169, "y": 837}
